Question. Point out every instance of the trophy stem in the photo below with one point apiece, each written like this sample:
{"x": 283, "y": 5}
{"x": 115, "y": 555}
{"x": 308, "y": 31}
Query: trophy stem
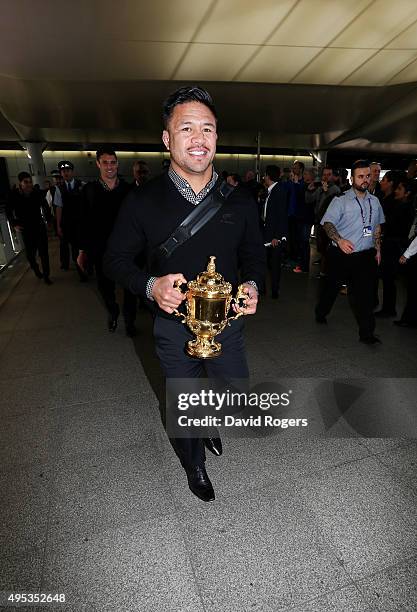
{"x": 203, "y": 348}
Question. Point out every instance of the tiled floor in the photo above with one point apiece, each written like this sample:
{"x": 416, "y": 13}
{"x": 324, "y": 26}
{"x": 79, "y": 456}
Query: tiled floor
{"x": 95, "y": 505}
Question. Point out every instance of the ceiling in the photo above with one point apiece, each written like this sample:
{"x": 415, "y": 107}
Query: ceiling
{"x": 306, "y": 73}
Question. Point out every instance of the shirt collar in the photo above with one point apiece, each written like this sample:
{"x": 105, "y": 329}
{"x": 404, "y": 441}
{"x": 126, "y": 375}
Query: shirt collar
{"x": 270, "y": 188}
{"x": 352, "y": 195}
{"x": 185, "y": 188}
{"x": 105, "y": 186}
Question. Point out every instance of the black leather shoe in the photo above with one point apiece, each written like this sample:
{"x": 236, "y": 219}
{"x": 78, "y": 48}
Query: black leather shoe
{"x": 38, "y": 273}
{"x": 321, "y": 320}
{"x": 199, "y": 483}
{"x": 370, "y": 340}
{"x": 112, "y": 324}
{"x": 214, "y": 445}
{"x": 47, "y": 280}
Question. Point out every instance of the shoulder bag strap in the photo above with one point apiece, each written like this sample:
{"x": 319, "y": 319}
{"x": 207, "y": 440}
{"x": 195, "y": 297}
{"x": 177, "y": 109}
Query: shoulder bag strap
{"x": 195, "y": 221}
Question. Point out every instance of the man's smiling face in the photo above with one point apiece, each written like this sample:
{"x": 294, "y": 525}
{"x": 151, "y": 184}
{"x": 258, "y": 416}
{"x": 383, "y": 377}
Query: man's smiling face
{"x": 190, "y": 137}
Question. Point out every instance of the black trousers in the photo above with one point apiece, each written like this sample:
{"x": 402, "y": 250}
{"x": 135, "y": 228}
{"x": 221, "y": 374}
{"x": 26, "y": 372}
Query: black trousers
{"x": 391, "y": 252}
{"x": 69, "y": 246}
{"x": 359, "y": 272}
{"x": 293, "y": 248}
{"x": 107, "y": 289}
{"x": 274, "y": 255}
{"x": 303, "y": 244}
{"x": 409, "y": 314}
{"x": 36, "y": 242}
{"x": 170, "y": 339}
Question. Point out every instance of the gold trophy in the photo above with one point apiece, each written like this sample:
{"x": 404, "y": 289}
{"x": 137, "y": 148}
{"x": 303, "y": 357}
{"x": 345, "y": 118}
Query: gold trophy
{"x": 208, "y": 302}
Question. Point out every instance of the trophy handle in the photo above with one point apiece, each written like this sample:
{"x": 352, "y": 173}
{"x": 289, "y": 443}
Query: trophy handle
{"x": 177, "y": 285}
{"x": 240, "y": 295}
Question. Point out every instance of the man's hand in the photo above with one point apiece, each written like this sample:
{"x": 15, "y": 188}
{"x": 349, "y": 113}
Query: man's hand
{"x": 378, "y": 257}
{"x": 346, "y": 246}
{"x": 251, "y": 302}
{"x": 275, "y": 242}
{"x": 325, "y": 186}
{"x": 165, "y": 294}
{"x": 82, "y": 260}
{"x": 403, "y": 260}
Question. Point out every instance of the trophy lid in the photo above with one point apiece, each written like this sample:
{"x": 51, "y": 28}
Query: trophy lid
{"x": 211, "y": 281}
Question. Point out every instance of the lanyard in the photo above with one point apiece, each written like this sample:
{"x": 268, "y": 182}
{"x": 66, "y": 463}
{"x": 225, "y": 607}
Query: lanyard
{"x": 362, "y": 213}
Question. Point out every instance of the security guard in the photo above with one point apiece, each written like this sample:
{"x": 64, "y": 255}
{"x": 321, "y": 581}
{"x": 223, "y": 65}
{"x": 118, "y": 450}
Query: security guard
{"x": 353, "y": 225}
{"x": 68, "y": 216}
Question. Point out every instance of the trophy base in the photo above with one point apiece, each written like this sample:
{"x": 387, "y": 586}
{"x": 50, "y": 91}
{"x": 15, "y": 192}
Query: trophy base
{"x": 203, "y": 349}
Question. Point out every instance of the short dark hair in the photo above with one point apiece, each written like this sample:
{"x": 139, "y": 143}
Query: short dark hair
{"x": 236, "y": 177}
{"x": 22, "y": 176}
{"x": 300, "y": 163}
{"x": 106, "y": 150}
{"x": 395, "y": 177}
{"x": 273, "y": 172}
{"x": 360, "y": 163}
{"x": 406, "y": 183}
{"x": 182, "y": 95}
{"x": 328, "y": 168}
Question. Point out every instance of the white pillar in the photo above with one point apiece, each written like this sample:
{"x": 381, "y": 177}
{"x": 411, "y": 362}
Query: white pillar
{"x": 34, "y": 152}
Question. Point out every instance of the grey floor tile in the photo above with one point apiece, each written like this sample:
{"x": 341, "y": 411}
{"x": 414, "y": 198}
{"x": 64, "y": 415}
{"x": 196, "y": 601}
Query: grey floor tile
{"x": 12, "y": 312}
{"x": 5, "y": 338}
{"x": 402, "y": 459}
{"x": 143, "y": 568}
{"x": 28, "y": 438}
{"x": 393, "y": 589}
{"x": 60, "y": 355}
{"x": 347, "y": 599}
{"x": 294, "y": 519}
{"x": 95, "y": 492}
{"x": 23, "y": 525}
{"x": 74, "y": 387}
{"x": 248, "y": 464}
{"x": 116, "y": 423}
{"x": 258, "y": 544}
{"x": 356, "y": 508}
{"x": 381, "y": 445}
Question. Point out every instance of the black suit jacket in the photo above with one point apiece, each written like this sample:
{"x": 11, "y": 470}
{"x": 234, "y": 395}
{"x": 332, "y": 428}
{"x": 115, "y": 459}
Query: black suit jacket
{"x": 276, "y": 220}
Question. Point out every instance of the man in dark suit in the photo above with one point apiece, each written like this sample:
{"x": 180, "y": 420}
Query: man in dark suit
{"x": 28, "y": 212}
{"x": 275, "y": 224}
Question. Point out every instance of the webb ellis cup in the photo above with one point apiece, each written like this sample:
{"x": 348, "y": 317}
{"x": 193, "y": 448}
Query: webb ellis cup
{"x": 208, "y": 302}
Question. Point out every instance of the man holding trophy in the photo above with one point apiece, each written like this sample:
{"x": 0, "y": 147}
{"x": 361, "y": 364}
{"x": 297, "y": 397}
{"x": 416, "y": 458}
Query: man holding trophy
{"x": 184, "y": 220}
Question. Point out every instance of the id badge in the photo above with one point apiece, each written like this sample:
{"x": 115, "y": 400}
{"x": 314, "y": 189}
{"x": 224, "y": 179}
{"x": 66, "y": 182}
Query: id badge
{"x": 367, "y": 231}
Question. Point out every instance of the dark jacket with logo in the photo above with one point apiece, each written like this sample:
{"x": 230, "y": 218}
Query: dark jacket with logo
{"x": 149, "y": 216}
